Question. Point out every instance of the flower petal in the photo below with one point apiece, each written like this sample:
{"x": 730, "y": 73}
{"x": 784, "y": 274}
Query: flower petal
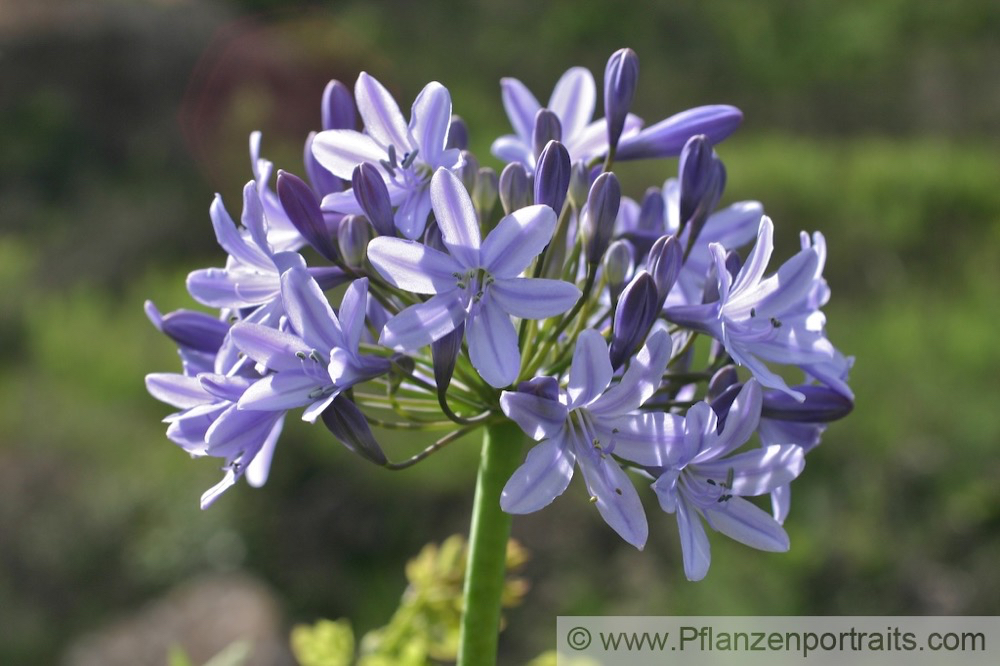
{"x": 753, "y": 270}
{"x": 381, "y": 115}
{"x": 590, "y": 372}
{"x": 509, "y": 148}
{"x": 493, "y": 346}
{"x": 573, "y": 100}
{"x": 340, "y": 151}
{"x": 640, "y": 381}
{"x": 413, "y": 266}
{"x": 273, "y": 349}
{"x": 538, "y": 417}
{"x": 646, "y": 438}
{"x": 521, "y": 107}
{"x": 759, "y": 471}
{"x": 694, "y": 542}
{"x": 352, "y": 313}
{"x": 260, "y": 467}
{"x": 456, "y": 218}
{"x": 423, "y": 323}
{"x": 280, "y": 391}
{"x": 430, "y": 119}
{"x": 411, "y": 216}
{"x": 748, "y": 524}
{"x": 617, "y": 500}
{"x": 309, "y": 311}
{"x": 741, "y": 422}
{"x": 177, "y": 390}
{"x": 231, "y": 240}
{"x": 534, "y": 298}
{"x": 544, "y": 476}
{"x": 517, "y": 239}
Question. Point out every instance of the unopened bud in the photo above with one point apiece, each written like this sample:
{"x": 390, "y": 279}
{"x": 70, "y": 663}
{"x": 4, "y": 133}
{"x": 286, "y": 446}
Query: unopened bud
{"x": 602, "y": 210}
{"x": 484, "y": 195}
{"x": 468, "y": 171}
{"x": 664, "y": 264}
{"x": 552, "y": 176}
{"x": 373, "y": 197}
{"x": 821, "y": 405}
{"x": 515, "y": 188}
{"x": 618, "y": 264}
{"x": 620, "y": 77}
{"x": 547, "y": 128}
{"x": 338, "y": 107}
{"x": 458, "y": 134}
{"x": 635, "y": 315}
{"x": 301, "y": 205}
{"x": 579, "y": 185}
{"x": 353, "y": 236}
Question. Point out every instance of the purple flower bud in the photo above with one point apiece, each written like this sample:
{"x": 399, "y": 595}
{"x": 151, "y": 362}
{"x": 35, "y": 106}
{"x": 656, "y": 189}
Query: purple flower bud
{"x": 635, "y": 315}
{"x": 722, "y": 380}
{"x": 822, "y": 405}
{"x": 468, "y": 172}
{"x": 579, "y": 185}
{"x": 444, "y": 353}
{"x": 484, "y": 196}
{"x": 664, "y": 264}
{"x": 350, "y": 426}
{"x": 652, "y": 212}
{"x": 353, "y": 235}
{"x": 338, "y": 107}
{"x": 667, "y": 137}
{"x": 701, "y": 178}
{"x": 618, "y": 263}
{"x": 322, "y": 180}
{"x": 547, "y": 128}
{"x": 602, "y": 210}
{"x": 543, "y": 387}
{"x": 552, "y": 176}
{"x": 723, "y": 402}
{"x": 373, "y": 196}
{"x": 302, "y": 207}
{"x": 432, "y": 238}
{"x": 515, "y": 188}
{"x": 620, "y": 77}
{"x": 458, "y": 134}
{"x": 189, "y": 328}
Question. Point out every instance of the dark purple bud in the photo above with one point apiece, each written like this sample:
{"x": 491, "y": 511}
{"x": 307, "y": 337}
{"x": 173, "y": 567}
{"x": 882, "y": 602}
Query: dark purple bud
{"x": 194, "y": 330}
{"x": 373, "y": 197}
{"x": 349, "y": 425}
{"x": 620, "y": 77}
{"x": 543, "y": 387}
{"x": 458, "y": 134}
{"x": 722, "y": 380}
{"x": 579, "y": 185}
{"x": 468, "y": 171}
{"x": 302, "y": 207}
{"x": 515, "y": 188}
{"x": 664, "y": 264}
{"x": 547, "y": 128}
{"x": 602, "y": 210}
{"x": 723, "y": 402}
{"x": 444, "y": 353}
{"x": 401, "y": 366}
{"x": 323, "y": 182}
{"x": 635, "y": 315}
{"x": 822, "y": 405}
{"x": 338, "y": 107}
{"x": 432, "y": 237}
{"x": 618, "y": 263}
{"x": 353, "y": 236}
{"x": 552, "y": 176}
{"x": 653, "y": 212}
{"x": 667, "y": 137}
{"x": 484, "y": 195}
{"x": 697, "y": 180}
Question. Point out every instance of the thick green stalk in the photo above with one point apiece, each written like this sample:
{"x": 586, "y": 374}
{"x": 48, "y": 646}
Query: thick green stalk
{"x": 484, "y": 576}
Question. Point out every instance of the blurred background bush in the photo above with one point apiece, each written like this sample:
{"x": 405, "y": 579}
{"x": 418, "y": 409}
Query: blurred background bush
{"x": 874, "y": 121}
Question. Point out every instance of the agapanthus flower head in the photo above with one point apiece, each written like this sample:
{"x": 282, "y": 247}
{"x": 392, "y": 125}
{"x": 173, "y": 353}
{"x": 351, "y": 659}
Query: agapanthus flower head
{"x": 569, "y": 310}
{"x": 407, "y": 153}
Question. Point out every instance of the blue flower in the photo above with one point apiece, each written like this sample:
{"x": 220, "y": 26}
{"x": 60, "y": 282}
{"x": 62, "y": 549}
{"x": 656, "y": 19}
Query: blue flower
{"x": 573, "y": 100}
{"x": 772, "y": 319}
{"x": 698, "y": 479}
{"x": 311, "y": 364}
{"x": 408, "y": 153}
{"x": 476, "y": 282}
{"x": 585, "y": 424}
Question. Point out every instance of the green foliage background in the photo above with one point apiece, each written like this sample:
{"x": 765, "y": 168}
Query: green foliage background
{"x": 875, "y": 122}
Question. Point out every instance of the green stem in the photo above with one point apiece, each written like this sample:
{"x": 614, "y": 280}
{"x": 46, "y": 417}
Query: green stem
{"x": 484, "y": 575}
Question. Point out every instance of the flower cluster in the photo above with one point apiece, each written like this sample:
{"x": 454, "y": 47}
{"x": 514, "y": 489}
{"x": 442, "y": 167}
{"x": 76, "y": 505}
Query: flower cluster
{"x": 400, "y": 285}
